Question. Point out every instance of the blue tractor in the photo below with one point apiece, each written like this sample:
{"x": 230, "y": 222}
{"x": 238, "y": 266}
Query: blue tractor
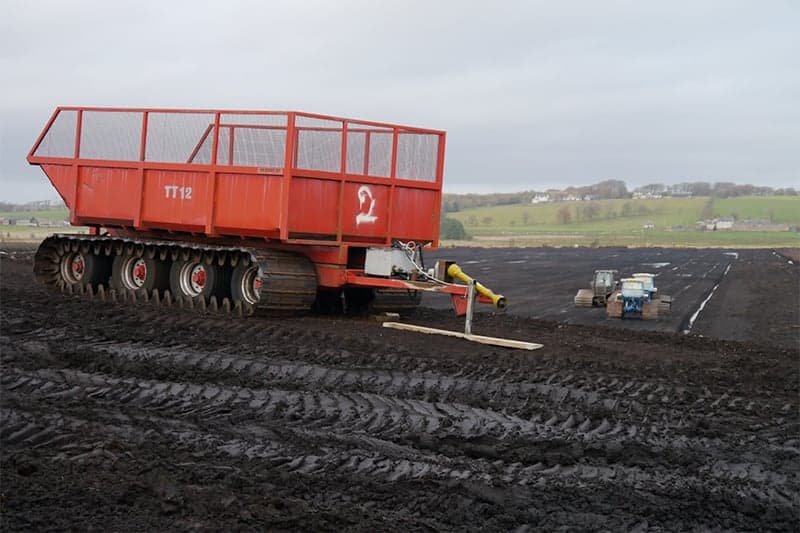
{"x": 632, "y": 301}
{"x": 663, "y": 302}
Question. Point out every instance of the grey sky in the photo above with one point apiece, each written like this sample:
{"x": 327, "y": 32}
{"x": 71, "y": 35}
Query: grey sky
{"x": 532, "y": 94}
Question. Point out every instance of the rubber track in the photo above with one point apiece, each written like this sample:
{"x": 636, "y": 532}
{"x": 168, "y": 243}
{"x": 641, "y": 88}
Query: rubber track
{"x": 584, "y": 298}
{"x": 289, "y": 280}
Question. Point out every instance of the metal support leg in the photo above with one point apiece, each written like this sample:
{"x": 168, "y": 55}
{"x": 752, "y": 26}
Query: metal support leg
{"x": 470, "y": 307}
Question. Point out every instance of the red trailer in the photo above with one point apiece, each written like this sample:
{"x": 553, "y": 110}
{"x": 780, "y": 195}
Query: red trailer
{"x": 245, "y": 210}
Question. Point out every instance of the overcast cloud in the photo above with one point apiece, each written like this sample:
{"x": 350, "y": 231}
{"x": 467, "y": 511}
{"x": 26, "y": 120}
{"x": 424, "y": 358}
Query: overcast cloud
{"x": 532, "y": 94}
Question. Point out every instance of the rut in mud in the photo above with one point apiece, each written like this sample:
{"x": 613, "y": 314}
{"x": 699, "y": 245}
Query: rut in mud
{"x": 143, "y": 418}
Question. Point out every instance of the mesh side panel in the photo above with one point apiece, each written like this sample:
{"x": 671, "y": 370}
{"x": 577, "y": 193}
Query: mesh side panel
{"x": 319, "y": 144}
{"x": 203, "y": 155}
{"x": 356, "y": 144}
{"x": 223, "y": 154}
{"x": 59, "y": 141}
{"x": 254, "y": 119}
{"x": 172, "y": 137}
{"x": 417, "y": 154}
{"x": 380, "y": 154}
{"x": 319, "y": 150}
{"x": 111, "y": 135}
{"x": 258, "y": 140}
{"x": 361, "y": 149}
{"x": 259, "y": 147}
{"x": 310, "y": 122}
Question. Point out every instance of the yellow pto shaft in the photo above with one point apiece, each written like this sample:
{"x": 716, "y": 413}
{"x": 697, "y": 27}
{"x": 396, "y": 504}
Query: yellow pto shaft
{"x": 498, "y": 300}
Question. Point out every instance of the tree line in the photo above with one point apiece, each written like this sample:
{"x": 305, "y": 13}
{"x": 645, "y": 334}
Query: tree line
{"x": 720, "y": 189}
{"x": 38, "y": 205}
{"x": 611, "y": 189}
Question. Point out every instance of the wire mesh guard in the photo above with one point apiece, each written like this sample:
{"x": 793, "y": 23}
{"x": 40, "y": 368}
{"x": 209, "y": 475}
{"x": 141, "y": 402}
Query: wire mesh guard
{"x": 248, "y": 139}
{"x": 59, "y": 141}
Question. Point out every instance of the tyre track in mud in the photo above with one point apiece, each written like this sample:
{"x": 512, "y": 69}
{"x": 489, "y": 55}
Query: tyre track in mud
{"x": 182, "y": 401}
{"x": 542, "y": 396}
{"x": 343, "y": 414}
{"x": 352, "y": 455}
{"x": 365, "y": 456}
{"x": 553, "y": 400}
{"x": 558, "y": 405}
{"x": 409, "y": 430}
{"x": 286, "y": 341}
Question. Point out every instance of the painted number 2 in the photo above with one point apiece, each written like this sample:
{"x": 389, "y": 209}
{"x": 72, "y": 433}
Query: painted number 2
{"x": 366, "y": 206}
{"x": 173, "y": 192}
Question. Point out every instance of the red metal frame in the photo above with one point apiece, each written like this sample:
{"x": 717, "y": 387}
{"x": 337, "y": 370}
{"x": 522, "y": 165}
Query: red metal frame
{"x": 85, "y": 210}
{"x": 316, "y": 212}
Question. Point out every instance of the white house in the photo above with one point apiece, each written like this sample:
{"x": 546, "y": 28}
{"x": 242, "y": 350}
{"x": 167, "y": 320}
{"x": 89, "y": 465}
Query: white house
{"x": 724, "y": 223}
{"x": 541, "y": 199}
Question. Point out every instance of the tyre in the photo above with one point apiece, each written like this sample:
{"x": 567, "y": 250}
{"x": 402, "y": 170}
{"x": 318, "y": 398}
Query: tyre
{"x": 245, "y": 285}
{"x": 139, "y": 274}
{"x": 196, "y": 280}
{"x": 84, "y": 268}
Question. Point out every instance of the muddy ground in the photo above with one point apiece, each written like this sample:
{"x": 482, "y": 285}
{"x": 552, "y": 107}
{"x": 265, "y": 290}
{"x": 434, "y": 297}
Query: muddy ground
{"x": 138, "y": 419}
{"x": 758, "y": 297}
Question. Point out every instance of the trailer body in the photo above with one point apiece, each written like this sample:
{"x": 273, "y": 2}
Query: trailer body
{"x": 329, "y": 189}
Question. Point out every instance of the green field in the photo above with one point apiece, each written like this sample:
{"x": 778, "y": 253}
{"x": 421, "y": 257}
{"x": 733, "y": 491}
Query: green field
{"x": 621, "y": 222}
{"x": 24, "y": 233}
{"x": 780, "y": 209}
{"x": 44, "y": 214}
{"x": 12, "y": 234}
{"x": 605, "y": 223}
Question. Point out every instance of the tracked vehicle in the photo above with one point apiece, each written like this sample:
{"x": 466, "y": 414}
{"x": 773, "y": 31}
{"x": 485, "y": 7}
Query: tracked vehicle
{"x": 632, "y": 301}
{"x": 603, "y": 284}
{"x": 663, "y": 302}
{"x": 245, "y": 211}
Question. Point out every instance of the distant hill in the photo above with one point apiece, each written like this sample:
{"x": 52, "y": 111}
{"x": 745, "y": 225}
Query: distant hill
{"x": 38, "y": 205}
{"x": 691, "y": 221}
{"x": 610, "y": 190}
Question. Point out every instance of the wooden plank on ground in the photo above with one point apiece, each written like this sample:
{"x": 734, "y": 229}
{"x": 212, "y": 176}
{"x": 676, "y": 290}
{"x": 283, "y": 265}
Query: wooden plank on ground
{"x": 494, "y": 341}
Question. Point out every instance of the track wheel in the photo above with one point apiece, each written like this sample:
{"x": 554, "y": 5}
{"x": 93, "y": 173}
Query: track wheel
{"x": 78, "y": 268}
{"x": 195, "y": 280}
{"x": 245, "y": 284}
{"x": 139, "y": 274}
